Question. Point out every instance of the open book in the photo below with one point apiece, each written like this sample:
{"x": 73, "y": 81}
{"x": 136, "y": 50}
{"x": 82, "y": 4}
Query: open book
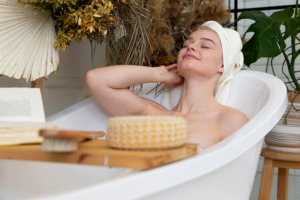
{"x": 21, "y": 116}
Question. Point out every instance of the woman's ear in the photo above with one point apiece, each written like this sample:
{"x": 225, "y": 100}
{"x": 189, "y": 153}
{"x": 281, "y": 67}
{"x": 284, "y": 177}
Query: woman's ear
{"x": 221, "y": 69}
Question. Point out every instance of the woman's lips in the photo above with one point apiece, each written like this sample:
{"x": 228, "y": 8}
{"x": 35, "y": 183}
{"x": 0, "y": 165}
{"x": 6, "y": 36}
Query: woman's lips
{"x": 190, "y": 56}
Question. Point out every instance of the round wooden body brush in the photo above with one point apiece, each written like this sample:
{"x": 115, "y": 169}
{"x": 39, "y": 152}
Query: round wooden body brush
{"x": 56, "y": 140}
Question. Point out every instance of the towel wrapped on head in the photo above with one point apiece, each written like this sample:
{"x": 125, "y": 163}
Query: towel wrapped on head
{"x": 233, "y": 60}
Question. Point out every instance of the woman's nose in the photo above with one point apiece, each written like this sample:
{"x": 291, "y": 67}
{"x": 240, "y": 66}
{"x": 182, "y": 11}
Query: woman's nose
{"x": 191, "y": 47}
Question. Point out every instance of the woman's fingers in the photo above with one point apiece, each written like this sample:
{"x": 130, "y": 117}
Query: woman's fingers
{"x": 173, "y": 66}
{"x": 175, "y": 71}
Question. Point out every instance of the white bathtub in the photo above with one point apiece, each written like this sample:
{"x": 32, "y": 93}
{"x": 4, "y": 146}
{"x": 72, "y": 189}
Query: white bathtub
{"x": 223, "y": 171}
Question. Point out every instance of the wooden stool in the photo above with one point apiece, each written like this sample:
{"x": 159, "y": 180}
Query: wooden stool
{"x": 284, "y": 161}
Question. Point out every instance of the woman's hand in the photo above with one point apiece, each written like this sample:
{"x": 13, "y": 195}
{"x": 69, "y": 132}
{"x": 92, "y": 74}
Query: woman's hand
{"x": 173, "y": 78}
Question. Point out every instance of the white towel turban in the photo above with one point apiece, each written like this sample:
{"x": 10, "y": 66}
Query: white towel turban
{"x": 233, "y": 60}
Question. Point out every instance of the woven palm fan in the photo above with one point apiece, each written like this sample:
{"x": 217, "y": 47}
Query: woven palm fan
{"x": 26, "y": 42}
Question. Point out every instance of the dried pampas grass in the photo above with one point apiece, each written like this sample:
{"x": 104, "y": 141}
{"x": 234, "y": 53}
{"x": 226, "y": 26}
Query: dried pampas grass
{"x": 130, "y": 43}
{"x": 154, "y": 30}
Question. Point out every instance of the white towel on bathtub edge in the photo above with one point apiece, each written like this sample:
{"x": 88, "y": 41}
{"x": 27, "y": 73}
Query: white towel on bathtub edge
{"x": 233, "y": 60}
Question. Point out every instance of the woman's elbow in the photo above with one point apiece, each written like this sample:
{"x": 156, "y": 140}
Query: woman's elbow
{"x": 87, "y": 77}
{"x": 91, "y": 78}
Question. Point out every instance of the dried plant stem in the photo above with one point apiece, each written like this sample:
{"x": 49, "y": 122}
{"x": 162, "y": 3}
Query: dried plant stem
{"x": 129, "y": 44}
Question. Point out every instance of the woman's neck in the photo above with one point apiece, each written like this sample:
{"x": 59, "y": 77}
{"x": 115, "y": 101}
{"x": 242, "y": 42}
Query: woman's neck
{"x": 197, "y": 96}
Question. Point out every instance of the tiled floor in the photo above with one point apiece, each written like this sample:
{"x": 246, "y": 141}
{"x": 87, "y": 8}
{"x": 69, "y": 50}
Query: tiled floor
{"x": 294, "y": 185}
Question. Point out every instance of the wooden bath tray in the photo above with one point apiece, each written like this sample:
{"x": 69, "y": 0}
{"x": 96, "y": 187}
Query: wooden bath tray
{"x": 97, "y": 152}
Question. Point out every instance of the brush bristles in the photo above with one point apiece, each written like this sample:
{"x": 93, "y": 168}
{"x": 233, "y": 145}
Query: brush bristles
{"x": 59, "y": 145}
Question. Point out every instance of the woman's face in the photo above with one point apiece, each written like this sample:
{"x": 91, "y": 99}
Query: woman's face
{"x": 201, "y": 53}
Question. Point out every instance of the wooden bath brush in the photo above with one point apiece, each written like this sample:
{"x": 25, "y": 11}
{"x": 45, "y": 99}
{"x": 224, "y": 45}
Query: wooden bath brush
{"x": 56, "y": 140}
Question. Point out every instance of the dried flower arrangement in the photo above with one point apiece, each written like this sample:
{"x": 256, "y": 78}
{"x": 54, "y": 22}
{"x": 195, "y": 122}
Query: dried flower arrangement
{"x": 151, "y": 33}
{"x": 77, "y": 19}
{"x": 174, "y": 20}
{"x": 156, "y": 29}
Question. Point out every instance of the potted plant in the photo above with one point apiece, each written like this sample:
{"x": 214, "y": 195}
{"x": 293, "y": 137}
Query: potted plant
{"x": 275, "y": 35}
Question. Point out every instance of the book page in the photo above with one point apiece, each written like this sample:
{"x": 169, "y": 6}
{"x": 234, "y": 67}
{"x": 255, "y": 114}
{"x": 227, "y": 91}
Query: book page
{"x": 21, "y": 104}
{"x": 21, "y": 116}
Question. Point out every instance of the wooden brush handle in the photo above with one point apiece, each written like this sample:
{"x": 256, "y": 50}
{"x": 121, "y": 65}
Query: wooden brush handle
{"x": 70, "y": 134}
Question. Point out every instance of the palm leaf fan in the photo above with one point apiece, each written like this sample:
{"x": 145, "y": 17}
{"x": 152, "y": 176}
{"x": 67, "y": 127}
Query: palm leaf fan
{"x": 26, "y": 41}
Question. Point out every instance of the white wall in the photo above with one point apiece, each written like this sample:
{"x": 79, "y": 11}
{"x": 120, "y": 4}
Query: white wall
{"x": 66, "y": 86}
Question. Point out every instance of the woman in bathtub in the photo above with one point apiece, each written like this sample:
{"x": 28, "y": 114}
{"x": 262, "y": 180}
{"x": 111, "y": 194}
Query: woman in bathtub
{"x": 205, "y": 66}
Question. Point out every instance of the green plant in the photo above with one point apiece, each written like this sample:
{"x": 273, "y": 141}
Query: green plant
{"x": 269, "y": 41}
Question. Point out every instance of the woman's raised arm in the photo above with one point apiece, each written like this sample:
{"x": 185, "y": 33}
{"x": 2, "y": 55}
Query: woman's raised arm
{"x": 109, "y": 85}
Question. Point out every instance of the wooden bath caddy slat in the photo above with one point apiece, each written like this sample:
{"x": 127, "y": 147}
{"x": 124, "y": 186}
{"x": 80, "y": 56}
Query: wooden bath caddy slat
{"x": 97, "y": 152}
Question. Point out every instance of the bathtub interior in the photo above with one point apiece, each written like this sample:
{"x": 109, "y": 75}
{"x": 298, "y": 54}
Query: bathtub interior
{"x": 248, "y": 95}
{"x": 75, "y": 116}
{"x": 34, "y": 179}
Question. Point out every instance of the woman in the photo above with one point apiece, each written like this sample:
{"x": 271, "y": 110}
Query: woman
{"x": 201, "y": 64}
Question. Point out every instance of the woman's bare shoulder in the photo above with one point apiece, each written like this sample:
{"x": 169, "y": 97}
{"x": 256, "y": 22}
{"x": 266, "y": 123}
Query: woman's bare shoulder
{"x": 232, "y": 119}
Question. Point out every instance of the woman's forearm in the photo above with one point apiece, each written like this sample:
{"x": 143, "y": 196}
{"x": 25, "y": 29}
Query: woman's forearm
{"x": 109, "y": 85}
{"x": 123, "y": 76}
